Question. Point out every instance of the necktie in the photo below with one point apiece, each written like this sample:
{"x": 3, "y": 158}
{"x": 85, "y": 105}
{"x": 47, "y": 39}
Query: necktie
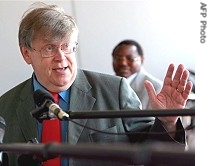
{"x": 51, "y": 132}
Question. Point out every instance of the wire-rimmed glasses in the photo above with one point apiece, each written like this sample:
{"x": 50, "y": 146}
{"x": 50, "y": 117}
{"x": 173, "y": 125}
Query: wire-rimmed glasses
{"x": 50, "y": 50}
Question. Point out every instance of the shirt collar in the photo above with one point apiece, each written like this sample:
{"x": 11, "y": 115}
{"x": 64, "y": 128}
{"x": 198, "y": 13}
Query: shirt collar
{"x": 64, "y": 95}
{"x": 131, "y": 78}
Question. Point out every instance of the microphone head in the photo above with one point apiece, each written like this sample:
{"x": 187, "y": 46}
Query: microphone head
{"x": 40, "y": 96}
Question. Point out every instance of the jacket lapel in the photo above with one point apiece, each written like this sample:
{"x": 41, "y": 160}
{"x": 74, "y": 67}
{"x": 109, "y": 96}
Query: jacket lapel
{"x": 137, "y": 83}
{"x": 28, "y": 123}
{"x": 80, "y": 101}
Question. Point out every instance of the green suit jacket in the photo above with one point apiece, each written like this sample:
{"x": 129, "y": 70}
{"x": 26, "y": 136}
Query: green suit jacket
{"x": 91, "y": 91}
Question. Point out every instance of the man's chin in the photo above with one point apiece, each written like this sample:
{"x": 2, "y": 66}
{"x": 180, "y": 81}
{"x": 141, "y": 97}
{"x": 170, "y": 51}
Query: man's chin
{"x": 124, "y": 74}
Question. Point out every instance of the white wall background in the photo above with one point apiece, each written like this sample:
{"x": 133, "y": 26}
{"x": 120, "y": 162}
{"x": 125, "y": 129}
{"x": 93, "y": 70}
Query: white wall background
{"x": 167, "y": 30}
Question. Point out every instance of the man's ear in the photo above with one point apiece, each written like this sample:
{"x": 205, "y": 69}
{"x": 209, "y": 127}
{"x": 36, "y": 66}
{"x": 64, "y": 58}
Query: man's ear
{"x": 26, "y": 54}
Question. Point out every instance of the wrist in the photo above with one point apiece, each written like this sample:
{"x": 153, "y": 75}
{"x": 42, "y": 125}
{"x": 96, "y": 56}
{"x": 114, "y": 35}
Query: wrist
{"x": 170, "y": 126}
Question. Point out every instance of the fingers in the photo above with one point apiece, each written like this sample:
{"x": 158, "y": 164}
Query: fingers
{"x": 182, "y": 81}
{"x": 169, "y": 74}
{"x": 187, "y": 90}
{"x": 179, "y": 79}
{"x": 150, "y": 90}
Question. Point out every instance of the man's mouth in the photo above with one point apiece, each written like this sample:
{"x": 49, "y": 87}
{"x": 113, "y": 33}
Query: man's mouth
{"x": 60, "y": 69}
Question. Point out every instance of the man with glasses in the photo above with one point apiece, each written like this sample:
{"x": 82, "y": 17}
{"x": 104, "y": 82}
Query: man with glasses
{"x": 48, "y": 41}
{"x": 128, "y": 60}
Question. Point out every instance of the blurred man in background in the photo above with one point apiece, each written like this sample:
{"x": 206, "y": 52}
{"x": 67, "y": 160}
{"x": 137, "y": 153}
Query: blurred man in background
{"x": 128, "y": 60}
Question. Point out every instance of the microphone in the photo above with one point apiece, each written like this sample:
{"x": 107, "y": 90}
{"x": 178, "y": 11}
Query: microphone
{"x": 3, "y": 156}
{"x": 46, "y": 102}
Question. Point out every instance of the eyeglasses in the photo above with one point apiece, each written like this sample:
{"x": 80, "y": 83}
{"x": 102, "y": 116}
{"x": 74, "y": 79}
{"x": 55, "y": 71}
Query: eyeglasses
{"x": 129, "y": 59}
{"x": 50, "y": 50}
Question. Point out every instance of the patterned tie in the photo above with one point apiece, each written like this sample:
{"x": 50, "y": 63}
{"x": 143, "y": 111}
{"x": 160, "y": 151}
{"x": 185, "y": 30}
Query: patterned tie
{"x": 51, "y": 132}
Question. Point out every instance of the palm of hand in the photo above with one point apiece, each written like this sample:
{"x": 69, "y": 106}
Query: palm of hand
{"x": 174, "y": 93}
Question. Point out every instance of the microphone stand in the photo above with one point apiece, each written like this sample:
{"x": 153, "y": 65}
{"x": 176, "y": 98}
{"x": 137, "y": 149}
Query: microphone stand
{"x": 41, "y": 113}
{"x": 130, "y": 113}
